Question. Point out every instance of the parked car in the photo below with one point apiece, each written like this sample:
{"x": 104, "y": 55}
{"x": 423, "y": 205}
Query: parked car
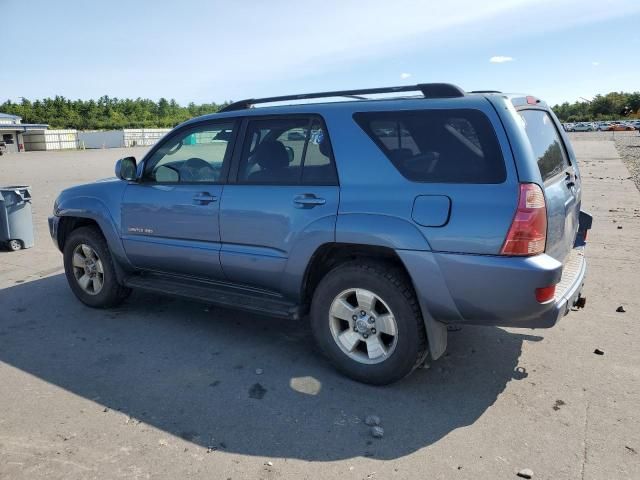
{"x": 400, "y": 217}
{"x": 582, "y": 127}
{"x": 620, "y": 127}
{"x": 296, "y": 135}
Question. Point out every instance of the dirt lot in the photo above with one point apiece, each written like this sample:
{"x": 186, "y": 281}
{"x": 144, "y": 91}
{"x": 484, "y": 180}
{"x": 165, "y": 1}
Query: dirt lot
{"x": 168, "y": 389}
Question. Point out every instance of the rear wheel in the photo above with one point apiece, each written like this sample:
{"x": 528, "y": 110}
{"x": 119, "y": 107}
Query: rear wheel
{"x": 365, "y": 317}
{"x": 89, "y": 269}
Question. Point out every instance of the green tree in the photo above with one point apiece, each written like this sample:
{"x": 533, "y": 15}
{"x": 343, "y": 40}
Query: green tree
{"x": 106, "y": 112}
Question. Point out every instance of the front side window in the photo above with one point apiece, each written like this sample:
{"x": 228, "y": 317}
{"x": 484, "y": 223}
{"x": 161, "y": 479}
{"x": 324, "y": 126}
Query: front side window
{"x": 196, "y": 155}
{"x": 545, "y": 141}
{"x": 438, "y": 146}
{"x": 286, "y": 151}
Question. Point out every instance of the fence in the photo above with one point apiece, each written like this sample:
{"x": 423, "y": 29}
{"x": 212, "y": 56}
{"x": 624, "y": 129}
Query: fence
{"x": 50, "y": 140}
{"x": 143, "y": 137}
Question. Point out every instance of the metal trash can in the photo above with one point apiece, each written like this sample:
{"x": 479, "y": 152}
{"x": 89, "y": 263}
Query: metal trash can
{"x": 16, "y": 224}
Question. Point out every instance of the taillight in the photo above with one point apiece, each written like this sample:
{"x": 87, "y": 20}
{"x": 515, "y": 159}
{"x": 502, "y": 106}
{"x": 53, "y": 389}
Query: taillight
{"x": 528, "y": 232}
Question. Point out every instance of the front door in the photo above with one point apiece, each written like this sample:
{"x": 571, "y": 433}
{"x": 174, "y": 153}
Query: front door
{"x": 170, "y": 218}
{"x": 283, "y": 196}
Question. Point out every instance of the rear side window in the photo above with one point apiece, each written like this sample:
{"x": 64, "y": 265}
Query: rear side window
{"x": 545, "y": 141}
{"x": 438, "y": 146}
{"x": 287, "y": 151}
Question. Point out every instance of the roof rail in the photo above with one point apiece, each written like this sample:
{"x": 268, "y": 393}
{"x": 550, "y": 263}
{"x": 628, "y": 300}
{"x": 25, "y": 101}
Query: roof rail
{"x": 429, "y": 90}
{"x": 485, "y": 91}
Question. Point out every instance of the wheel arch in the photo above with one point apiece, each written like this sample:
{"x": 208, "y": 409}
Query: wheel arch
{"x": 89, "y": 210}
{"x": 330, "y": 255}
{"x": 70, "y": 223}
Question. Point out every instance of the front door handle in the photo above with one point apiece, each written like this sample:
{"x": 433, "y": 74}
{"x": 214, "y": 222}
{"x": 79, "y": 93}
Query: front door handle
{"x": 308, "y": 200}
{"x": 204, "y": 198}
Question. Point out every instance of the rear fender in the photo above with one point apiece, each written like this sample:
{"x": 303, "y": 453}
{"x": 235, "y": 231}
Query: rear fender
{"x": 379, "y": 230}
{"x": 316, "y": 234}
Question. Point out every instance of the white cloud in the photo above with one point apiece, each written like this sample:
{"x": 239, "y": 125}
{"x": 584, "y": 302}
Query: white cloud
{"x": 404, "y": 76}
{"x": 595, "y": 64}
{"x": 501, "y": 59}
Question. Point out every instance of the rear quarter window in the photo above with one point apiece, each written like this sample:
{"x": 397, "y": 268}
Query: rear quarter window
{"x": 437, "y": 146}
{"x": 545, "y": 142}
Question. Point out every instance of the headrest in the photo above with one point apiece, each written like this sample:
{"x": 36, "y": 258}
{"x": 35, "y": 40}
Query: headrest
{"x": 271, "y": 155}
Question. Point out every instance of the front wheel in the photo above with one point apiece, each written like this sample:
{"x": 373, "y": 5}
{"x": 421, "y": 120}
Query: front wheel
{"x": 89, "y": 269}
{"x": 365, "y": 318}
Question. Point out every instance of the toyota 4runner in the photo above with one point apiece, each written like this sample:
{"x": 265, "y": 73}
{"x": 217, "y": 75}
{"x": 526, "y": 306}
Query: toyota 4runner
{"x": 381, "y": 220}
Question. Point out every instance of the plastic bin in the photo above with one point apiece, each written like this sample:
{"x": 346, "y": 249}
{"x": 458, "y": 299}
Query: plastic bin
{"x": 16, "y": 223}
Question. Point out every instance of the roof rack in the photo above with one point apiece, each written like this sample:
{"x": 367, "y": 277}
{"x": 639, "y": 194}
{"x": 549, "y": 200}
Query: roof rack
{"x": 485, "y": 91}
{"x": 429, "y": 90}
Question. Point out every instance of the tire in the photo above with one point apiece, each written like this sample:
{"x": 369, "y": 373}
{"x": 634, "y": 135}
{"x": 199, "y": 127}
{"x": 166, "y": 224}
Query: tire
{"x": 110, "y": 293}
{"x": 395, "y": 297}
{"x": 14, "y": 245}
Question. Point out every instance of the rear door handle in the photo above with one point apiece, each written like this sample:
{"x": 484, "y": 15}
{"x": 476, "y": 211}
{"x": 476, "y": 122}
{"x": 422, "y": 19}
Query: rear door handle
{"x": 308, "y": 200}
{"x": 204, "y": 198}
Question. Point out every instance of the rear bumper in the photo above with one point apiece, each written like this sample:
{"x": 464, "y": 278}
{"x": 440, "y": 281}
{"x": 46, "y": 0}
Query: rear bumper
{"x": 495, "y": 290}
{"x": 570, "y": 287}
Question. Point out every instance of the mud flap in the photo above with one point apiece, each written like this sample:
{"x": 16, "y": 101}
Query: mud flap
{"x": 436, "y": 335}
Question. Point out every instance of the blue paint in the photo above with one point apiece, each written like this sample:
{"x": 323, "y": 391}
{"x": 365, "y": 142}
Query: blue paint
{"x": 448, "y": 236}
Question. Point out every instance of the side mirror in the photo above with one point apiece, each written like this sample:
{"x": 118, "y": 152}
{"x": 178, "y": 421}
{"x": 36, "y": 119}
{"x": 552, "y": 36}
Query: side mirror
{"x": 126, "y": 168}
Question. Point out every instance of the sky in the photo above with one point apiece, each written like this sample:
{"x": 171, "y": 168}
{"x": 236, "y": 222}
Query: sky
{"x": 212, "y": 51}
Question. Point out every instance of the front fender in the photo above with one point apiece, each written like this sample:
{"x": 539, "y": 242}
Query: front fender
{"x": 95, "y": 209}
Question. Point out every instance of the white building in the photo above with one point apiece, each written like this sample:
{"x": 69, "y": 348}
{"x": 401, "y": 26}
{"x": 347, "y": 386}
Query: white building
{"x": 12, "y": 132}
{"x": 16, "y": 136}
{"x": 50, "y": 140}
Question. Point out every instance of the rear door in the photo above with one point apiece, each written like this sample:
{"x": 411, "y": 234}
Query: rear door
{"x": 283, "y": 192}
{"x": 170, "y": 218}
{"x": 561, "y": 181}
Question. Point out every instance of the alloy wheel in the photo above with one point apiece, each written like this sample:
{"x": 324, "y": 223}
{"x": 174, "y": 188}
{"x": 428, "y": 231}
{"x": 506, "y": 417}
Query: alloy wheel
{"x": 363, "y": 326}
{"x": 87, "y": 269}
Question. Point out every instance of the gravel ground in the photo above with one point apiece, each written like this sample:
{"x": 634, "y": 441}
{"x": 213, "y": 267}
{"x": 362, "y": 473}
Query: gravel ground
{"x": 627, "y": 144}
{"x": 629, "y": 149}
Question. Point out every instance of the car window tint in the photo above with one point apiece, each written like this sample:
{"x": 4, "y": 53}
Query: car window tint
{"x": 545, "y": 142}
{"x": 318, "y": 165}
{"x": 286, "y": 151}
{"x": 197, "y": 155}
{"x": 438, "y": 146}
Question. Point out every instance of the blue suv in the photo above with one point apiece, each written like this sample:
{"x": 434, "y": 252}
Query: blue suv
{"x": 377, "y": 221}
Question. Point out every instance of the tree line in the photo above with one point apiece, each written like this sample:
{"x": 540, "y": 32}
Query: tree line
{"x": 612, "y": 106}
{"x": 116, "y": 113}
{"x": 106, "y": 112}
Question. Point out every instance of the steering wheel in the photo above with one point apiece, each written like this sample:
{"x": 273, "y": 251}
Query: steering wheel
{"x": 196, "y": 169}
